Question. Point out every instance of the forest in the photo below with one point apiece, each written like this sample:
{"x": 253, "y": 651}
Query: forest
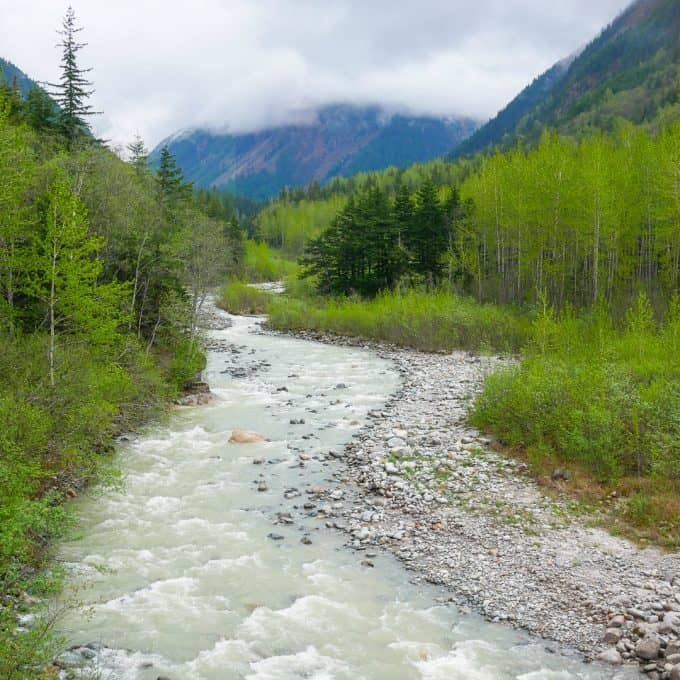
{"x": 104, "y": 267}
{"x": 577, "y": 221}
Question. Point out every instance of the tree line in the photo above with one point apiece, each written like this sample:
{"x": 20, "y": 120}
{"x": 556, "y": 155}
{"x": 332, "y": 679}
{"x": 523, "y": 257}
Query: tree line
{"x": 576, "y": 223}
{"x": 376, "y": 241}
{"x": 597, "y": 220}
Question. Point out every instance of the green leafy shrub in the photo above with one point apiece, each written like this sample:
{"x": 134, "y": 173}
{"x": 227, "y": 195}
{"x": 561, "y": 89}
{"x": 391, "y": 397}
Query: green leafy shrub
{"x": 262, "y": 263}
{"x": 237, "y": 297}
{"x": 426, "y": 321}
{"x": 586, "y": 393}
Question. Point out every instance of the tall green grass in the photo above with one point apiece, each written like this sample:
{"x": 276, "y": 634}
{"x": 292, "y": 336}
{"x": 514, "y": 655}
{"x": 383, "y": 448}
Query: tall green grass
{"x": 237, "y": 297}
{"x": 602, "y": 398}
{"x": 262, "y": 263}
{"x": 425, "y": 321}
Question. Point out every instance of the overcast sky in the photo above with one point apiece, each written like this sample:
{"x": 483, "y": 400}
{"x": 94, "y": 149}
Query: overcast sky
{"x": 161, "y": 65}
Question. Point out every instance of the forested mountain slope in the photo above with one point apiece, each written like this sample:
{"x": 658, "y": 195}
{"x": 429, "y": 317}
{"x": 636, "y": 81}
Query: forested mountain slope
{"x": 10, "y": 72}
{"x": 631, "y": 71}
{"x": 342, "y": 141}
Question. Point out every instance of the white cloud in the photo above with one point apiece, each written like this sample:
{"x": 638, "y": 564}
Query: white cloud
{"x": 243, "y": 64}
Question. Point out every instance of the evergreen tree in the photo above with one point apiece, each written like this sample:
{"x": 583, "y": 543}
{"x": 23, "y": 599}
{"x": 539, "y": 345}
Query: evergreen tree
{"x": 403, "y": 212}
{"x": 427, "y": 237}
{"x": 39, "y": 110}
{"x": 171, "y": 185}
{"x": 73, "y": 89}
{"x": 139, "y": 155}
{"x": 10, "y": 96}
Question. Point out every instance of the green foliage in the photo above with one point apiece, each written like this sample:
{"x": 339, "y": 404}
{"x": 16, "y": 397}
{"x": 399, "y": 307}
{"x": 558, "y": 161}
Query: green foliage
{"x": 604, "y": 399}
{"x": 581, "y": 222}
{"x": 187, "y": 362}
{"x": 173, "y": 191}
{"x": 427, "y": 233}
{"x": 22, "y": 655}
{"x": 237, "y": 297}
{"x": 426, "y": 321}
{"x": 373, "y": 242}
{"x": 104, "y": 267}
{"x": 289, "y": 226}
{"x": 261, "y": 263}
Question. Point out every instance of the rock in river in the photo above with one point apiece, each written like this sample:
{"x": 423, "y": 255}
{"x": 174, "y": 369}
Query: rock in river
{"x": 245, "y": 437}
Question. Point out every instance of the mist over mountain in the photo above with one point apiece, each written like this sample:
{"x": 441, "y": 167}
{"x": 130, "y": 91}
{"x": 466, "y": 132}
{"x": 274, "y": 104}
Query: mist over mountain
{"x": 341, "y": 141}
{"x": 630, "y": 71}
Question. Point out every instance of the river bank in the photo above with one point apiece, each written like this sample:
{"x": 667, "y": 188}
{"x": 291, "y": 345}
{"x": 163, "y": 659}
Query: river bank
{"x": 459, "y": 514}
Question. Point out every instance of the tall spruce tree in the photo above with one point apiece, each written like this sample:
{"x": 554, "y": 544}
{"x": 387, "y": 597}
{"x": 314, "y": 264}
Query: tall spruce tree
{"x": 171, "y": 185}
{"x": 403, "y": 212}
{"x": 73, "y": 89}
{"x": 427, "y": 237}
{"x": 139, "y": 155}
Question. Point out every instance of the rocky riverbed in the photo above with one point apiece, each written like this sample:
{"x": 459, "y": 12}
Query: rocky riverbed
{"x": 420, "y": 482}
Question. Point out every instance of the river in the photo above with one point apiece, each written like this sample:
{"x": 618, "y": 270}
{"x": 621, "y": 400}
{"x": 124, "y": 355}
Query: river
{"x": 193, "y": 572}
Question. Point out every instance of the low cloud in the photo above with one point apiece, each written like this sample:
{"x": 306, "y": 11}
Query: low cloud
{"x": 241, "y": 65}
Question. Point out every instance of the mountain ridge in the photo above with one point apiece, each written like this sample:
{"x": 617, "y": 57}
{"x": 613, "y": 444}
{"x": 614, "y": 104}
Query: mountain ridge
{"x": 343, "y": 140}
{"x": 10, "y": 71}
{"x": 630, "y": 71}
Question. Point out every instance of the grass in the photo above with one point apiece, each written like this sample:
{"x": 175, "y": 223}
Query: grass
{"x": 262, "y": 263}
{"x": 604, "y": 403}
{"x": 425, "y": 321}
{"x": 237, "y": 297}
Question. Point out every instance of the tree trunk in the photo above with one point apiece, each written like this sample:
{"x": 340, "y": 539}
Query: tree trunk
{"x": 52, "y": 303}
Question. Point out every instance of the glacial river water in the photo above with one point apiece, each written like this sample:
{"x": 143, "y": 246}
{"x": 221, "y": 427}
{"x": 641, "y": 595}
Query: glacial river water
{"x": 186, "y": 582}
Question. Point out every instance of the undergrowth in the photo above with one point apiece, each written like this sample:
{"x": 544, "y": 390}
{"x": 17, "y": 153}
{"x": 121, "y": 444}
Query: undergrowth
{"x": 603, "y": 400}
{"x": 426, "y": 321}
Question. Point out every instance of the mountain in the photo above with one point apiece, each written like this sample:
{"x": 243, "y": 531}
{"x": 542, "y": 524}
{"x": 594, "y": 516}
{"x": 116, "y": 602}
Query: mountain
{"x": 343, "y": 140}
{"x": 631, "y": 71}
{"x": 508, "y": 119}
{"x": 10, "y": 72}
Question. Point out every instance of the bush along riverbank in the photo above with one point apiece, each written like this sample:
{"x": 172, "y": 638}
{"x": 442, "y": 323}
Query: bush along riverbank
{"x": 435, "y": 321}
{"x": 603, "y": 404}
{"x": 237, "y": 297}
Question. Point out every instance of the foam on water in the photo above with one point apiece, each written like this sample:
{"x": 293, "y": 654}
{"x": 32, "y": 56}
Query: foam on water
{"x": 186, "y": 581}
{"x": 306, "y": 664}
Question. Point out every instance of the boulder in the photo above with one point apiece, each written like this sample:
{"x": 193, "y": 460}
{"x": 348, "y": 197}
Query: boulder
{"x": 617, "y": 621}
{"x": 648, "y": 648}
{"x": 610, "y": 656}
{"x": 612, "y": 635}
{"x": 68, "y": 660}
{"x": 245, "y": 437}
